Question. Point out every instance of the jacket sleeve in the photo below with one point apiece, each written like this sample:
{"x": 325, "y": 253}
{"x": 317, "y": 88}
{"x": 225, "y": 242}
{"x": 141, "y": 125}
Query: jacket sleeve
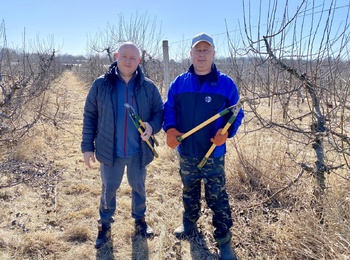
{"x": 170, "y": 110}
{"x": 90, "y": 117}
{"x": 157, "y": 111}
{"x": 238, "y": 121}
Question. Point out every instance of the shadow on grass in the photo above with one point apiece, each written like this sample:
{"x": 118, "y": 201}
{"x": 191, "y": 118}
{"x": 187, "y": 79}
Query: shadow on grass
{"x": 139, "y": 248}
{"x": 198, "y": 247}
{"x": 105, "y": 252}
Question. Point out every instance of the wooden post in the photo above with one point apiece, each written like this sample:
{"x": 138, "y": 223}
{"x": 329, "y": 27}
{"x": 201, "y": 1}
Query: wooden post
{"x": 166, "y": 66}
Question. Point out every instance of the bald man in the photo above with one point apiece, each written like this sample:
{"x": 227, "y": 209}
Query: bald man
{"x": 110, "y": 136}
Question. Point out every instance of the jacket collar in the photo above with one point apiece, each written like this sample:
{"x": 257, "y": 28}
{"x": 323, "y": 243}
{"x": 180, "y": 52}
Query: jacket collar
{"x": 213, "y": 75}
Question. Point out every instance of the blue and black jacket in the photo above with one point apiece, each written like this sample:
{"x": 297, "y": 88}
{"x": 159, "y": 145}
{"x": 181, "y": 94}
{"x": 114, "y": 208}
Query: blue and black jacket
{"x": 190, "y": 103}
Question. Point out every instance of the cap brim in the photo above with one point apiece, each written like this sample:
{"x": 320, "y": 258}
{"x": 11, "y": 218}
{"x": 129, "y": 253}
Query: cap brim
{"x": 201, "y": 41}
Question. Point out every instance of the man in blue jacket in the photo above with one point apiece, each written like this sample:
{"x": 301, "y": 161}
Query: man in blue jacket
{"x": 194, "y": 97}
{"x": 110, "y": 135}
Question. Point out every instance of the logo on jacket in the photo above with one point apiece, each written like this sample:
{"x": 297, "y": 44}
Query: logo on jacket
{"x": 207, "y": 99}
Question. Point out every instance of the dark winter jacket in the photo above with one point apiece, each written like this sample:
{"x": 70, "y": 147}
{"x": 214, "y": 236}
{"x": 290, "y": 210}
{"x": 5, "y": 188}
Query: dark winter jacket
{"x": 189, "y": 104}
{"x": 99, "y": 126}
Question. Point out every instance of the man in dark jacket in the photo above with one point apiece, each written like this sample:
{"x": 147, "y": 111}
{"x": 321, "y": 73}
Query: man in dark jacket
{"x": 194, "y": 97}
{"x": 110, "y": 135}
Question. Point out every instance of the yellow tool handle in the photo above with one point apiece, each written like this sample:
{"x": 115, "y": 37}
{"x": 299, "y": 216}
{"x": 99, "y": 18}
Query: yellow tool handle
{"x": 152, "y": 136}
{"x": 198, "y": 127}
{"x": 212, "y": 147}
{"x": 149, "y": 144}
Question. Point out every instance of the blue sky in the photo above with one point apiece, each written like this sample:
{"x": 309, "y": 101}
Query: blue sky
{"x": 71, "y": 21}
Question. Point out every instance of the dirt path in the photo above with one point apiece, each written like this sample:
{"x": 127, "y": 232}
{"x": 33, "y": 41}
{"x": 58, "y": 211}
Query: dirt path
{"x": 75, "y": 98}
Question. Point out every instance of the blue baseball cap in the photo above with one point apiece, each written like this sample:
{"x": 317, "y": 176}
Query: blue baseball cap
{"x": 202, "y": 37}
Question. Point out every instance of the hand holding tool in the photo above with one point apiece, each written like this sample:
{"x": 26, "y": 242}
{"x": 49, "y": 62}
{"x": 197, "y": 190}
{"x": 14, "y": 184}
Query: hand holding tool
{"x": 140, "y": 126}
{"x": 171, "y": 138}
{"x": 220, "y": 137}
{"x": 235, "y": 109}
{"x": 139, "y": 120}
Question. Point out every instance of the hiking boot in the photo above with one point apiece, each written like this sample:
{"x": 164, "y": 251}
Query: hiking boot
{"x": 185, "y": 230}
{"x": 227, "y": 252}
{"x": 103, "y": 236}
{"x": 143, "y": 229}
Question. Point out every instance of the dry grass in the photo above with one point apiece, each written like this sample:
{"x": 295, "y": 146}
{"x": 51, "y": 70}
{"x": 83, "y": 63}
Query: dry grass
{"x": 55, "y": 217}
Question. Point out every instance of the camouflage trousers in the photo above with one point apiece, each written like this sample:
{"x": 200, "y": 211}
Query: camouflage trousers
{"x": 213, "y": 176}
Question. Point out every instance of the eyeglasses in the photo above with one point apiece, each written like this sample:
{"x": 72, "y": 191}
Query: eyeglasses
{"x": 199, "y": 52}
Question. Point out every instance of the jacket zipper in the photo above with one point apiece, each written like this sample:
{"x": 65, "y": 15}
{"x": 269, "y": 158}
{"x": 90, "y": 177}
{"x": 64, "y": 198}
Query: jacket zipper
{"x": 126, "y": 117}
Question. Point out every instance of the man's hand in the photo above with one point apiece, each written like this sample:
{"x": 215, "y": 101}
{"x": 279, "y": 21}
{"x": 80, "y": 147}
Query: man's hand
{"x": 219, "y": 139}
{"x": 171, "y": 138}
{"x": 147, "y": 133}
{"x": 87, "y": 157}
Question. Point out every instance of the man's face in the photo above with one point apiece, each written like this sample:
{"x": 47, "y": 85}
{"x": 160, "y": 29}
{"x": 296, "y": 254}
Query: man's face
{"x": 128, "y": 57}
{"x": 202, "y": 55}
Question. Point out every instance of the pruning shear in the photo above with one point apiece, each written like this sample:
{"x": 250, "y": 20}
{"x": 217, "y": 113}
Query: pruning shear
{"x": 235, "y": 109}
{"x": 213, "y": 118}
{"x": 141, "y": 127}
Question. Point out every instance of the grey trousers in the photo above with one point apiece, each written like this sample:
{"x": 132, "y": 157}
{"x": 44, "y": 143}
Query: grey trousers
{"x": 111, "y": 177}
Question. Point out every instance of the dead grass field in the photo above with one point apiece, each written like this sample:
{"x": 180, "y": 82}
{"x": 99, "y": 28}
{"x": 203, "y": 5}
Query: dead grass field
{"x": 53, "y": 215}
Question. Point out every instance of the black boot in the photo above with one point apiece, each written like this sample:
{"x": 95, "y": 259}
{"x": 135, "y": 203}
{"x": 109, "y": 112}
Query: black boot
{"x": 185, "y": 229}
{"x": 227, "y": 252}
{"x": 143, "y": 229}
{"x": 103, "y": 236}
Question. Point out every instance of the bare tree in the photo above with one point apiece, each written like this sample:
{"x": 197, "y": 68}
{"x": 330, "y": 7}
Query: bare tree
{"x": 25, "y": 78}
{"x": 301, "y": 55}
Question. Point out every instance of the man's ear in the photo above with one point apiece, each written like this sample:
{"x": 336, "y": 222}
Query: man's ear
{"x": 116, "y": 55}
{"x": 139, "y": 60}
